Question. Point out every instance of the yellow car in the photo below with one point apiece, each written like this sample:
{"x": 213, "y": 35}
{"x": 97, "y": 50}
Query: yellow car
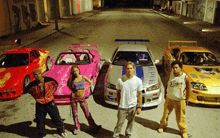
{"x": 202, "y": 68}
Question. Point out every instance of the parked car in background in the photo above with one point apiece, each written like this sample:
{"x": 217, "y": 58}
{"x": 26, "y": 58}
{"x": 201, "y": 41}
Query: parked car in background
{"x": 145, "y": 69}
{"x": 16, "y": 66}
{"x": 202, "y": 68}
{"x": 87, "y": 59}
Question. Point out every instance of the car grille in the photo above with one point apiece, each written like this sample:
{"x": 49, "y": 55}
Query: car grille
{"x": 208, "y": 99}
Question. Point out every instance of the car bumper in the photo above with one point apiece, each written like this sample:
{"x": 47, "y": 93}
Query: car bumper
{"x": 10, "y": 94}
{"x": 149, "y": 99}
{"x": 201, "y": 97}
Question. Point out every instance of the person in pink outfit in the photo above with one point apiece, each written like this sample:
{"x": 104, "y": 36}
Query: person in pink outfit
{"x": 76, "y": 84}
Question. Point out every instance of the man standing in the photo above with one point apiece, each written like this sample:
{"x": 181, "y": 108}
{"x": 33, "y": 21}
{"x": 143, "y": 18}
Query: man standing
{"x": 129, "y": 91}
{"x": 42, "y": 90}
{"x": 177, "y": 84}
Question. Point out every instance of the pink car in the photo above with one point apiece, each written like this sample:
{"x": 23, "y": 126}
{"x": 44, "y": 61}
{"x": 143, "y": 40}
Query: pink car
{"x": 87, "y": 60}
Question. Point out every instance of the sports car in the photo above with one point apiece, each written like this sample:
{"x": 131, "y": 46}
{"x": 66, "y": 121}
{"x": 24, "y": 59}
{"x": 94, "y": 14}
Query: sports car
{"x": 145, "y": 69}
{"x": 16, "y": 66}
{"x": 88, "y": 60}
{"x": 202, "y": 68}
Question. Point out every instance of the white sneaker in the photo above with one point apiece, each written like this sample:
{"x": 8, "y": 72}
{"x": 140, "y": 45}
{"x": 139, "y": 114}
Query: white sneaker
{"x": 63, "y": 134}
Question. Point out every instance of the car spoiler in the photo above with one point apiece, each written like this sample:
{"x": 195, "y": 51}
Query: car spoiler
{"x": 181, "y": 43}
{"x": 132, "y": 40}
{"x": 83, "y": 45}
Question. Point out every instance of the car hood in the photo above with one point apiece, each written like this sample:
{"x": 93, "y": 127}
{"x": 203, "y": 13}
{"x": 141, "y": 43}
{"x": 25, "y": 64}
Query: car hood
{"x": 61, "y": 74}
{"x": 8, "y": 76}
{"x": 148, "y": 74}
{"x": 209, "y": 75}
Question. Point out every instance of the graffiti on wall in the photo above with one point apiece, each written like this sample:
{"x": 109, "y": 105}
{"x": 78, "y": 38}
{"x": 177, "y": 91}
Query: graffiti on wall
{"x": 26, "y": 16}
{"x": 210, "y": 11}
{"x": 17, "y": 25}
{"x": 33, "y": 13}
{"x": 22, "y": 11}
{"x": 200, "y": 9}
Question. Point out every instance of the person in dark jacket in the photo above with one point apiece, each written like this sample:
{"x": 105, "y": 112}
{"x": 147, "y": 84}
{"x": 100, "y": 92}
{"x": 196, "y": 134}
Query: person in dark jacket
{"x": 42, "y": 90}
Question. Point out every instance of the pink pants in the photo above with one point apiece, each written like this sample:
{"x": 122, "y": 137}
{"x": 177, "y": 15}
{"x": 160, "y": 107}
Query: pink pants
{"x": 85, "y": 109}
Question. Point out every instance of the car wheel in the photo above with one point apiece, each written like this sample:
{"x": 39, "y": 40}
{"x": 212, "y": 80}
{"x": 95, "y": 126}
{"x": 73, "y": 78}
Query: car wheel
{"x": 25, "y": 83}
{"x": 92, "y": 87}
{"x": 48, "y": 63}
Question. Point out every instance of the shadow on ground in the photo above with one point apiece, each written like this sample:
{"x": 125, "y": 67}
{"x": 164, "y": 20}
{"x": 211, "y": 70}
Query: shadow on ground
{"x": 154, "y": 125}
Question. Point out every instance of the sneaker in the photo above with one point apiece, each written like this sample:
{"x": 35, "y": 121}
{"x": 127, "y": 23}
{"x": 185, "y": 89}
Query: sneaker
{"x": 160, "y": 130}
{"x": 75, "y": 132}
{"x": 128, "y": 136}
{"x": 63, "y": 134}
{"x": 184, "y": 135}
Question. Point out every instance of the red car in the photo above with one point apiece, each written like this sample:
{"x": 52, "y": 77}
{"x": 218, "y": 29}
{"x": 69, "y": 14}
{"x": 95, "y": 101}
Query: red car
{"x": 16, "y": 66}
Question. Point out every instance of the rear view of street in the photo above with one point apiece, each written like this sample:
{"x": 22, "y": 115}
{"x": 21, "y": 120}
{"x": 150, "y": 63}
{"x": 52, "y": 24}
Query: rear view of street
{"x": 17, "y": 117}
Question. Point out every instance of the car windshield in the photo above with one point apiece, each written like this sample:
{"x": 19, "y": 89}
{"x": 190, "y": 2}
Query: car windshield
{"x": 199, "y": 59}
{"x": 13, "y": 60}
{"x": 138, "y": 58}
{"x": 73, "y": 59}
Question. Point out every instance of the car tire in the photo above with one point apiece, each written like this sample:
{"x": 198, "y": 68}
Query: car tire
{"x": 25, "y": 83}
{"x": 48, "y": 63}
{"x": 92, "y": 87}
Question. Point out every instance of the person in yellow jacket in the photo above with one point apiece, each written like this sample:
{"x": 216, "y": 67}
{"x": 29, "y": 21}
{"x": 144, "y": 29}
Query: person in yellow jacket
{"x": 176, "y": 92}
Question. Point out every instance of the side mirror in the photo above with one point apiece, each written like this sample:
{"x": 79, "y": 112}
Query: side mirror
{"x": 53, "y": 60}
{"x": 156, "y": 61}
{"x": 34, "y": 60}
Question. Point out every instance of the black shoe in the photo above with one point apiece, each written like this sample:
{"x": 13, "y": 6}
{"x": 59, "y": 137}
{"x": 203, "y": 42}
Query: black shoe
{"x": 128, "y": 135}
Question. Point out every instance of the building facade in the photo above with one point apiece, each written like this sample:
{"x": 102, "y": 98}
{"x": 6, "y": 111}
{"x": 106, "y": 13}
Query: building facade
{"x": 205, "y": 10}
{"x": 18, "y": 15}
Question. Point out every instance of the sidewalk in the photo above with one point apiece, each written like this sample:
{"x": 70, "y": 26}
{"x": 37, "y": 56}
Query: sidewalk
{"x": 211, "y": 31}
{"x": 41, "y": 31}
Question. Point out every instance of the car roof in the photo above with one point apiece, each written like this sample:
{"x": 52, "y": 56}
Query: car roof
{"x": 193, "y": 49}
{"x": 133, "y": 48}
{"x": 19, "y": 50}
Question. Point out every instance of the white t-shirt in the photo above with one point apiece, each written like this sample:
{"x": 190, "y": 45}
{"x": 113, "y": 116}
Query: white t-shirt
{"x": 176, "y": 87}
{"x": 129, "y": 88}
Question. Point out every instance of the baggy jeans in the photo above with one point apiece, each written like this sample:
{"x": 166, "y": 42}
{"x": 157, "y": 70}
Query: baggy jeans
{"x": 52, "y": 110}
{"x": 180, "y": 107}
{"x": 122, "y": 114}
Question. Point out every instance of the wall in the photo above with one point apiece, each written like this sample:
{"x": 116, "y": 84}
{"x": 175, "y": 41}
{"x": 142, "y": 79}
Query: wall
{"x": 177, "y": 7}
{"x": 5, "y": 28}
{"x": 40, "y": 11}
{"x": 200, "y": 9}
{"x": 86, "y": 5}
{"x": 210, "y": 11}
{"x": 23, "y": 14}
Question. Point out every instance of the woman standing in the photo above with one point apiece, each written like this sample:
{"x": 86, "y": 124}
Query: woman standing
{"x": 76, "y": 84}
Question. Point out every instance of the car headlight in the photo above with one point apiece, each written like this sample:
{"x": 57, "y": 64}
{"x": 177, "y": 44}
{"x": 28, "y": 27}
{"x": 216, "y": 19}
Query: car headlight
{"x": 154, "y": 87}
{"x": 111, "y": 86}
{"x": 198, "y": 86}
{"x": 10, "y": 89}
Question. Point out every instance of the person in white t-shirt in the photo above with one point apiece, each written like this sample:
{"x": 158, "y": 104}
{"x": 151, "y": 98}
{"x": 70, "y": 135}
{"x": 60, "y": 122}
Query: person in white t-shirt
{"x": 177, "y": 90}
{"x": 129, "y": 97}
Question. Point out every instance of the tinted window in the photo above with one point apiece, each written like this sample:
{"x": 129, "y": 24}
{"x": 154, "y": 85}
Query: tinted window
{"x": 199, "y": 59}
{"x": 13, "y": 60}
{"x": 138, "y": 58}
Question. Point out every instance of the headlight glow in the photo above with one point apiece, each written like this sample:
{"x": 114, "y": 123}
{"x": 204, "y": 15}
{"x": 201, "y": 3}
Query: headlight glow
{"x": 154, "y": 87}
{"x": 198, "y": 86}
{"x": 111, "y": 86}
